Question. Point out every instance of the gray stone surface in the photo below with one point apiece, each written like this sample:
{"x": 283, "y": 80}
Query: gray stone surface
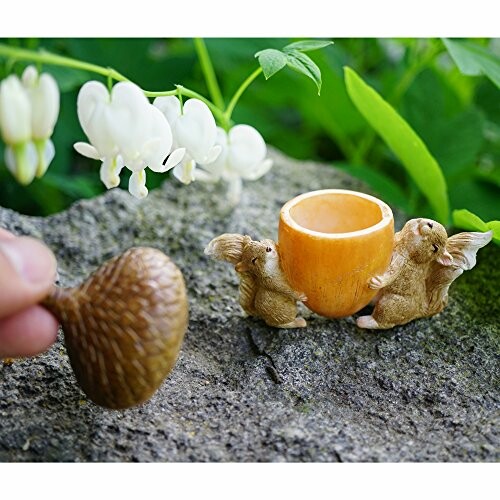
{"x": 241, "y": 391}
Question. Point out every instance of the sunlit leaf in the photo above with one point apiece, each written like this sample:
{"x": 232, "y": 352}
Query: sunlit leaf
{"x": 471, "y": 222}
{"x": 403, "y": 141}
{"x": 308, "y": 45}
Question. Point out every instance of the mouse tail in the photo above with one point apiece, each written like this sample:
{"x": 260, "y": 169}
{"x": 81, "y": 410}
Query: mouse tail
{"x": 228, "y": 247}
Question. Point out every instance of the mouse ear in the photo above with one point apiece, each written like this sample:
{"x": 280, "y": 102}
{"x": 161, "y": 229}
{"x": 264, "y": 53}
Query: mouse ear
{"x": 445, "y": 259}
{"x": 241, "y": 267}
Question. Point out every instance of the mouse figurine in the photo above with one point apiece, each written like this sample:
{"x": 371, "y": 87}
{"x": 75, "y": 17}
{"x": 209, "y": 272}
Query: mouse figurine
{"x": 264, "y": 291}
{"x": 424, "y": 263}
{"x": 463, "y": 248}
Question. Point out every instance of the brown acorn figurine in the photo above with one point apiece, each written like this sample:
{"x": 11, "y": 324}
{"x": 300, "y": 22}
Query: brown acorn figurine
{"x": 124, "y": 326}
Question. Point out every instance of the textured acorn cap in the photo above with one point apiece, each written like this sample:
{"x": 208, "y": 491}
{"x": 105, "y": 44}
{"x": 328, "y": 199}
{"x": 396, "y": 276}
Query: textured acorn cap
{"x": 124, "y": 326}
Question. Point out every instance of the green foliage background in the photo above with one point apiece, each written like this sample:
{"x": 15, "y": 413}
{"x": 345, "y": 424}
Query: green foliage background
{"x": 456, "y": 115}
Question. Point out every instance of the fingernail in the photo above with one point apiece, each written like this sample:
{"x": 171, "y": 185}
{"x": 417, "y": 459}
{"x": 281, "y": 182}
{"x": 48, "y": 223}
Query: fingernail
{"x": 31, "y": 260}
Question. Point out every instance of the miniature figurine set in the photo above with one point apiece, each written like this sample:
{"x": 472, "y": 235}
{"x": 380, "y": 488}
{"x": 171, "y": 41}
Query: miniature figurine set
{"x": 124, "y": 326}
{"x": 424, "y": 263}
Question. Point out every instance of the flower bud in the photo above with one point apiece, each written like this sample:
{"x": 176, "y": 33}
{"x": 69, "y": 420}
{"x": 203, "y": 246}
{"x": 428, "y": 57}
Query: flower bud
{"x": 43, "y": 93}
{"x": 28, "y": 113}
{"x": 15, "y": 111}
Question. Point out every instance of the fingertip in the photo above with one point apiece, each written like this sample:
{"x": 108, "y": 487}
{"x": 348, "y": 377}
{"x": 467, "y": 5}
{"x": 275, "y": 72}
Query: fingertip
{"x": 27, "y": 273}
{"x": 33, "y": 262}
{"x": 27, "y": 333}
{"x": 6, "y": 235}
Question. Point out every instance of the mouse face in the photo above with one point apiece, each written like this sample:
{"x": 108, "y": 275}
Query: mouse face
{"x": 425, "y": 241}
{"x": 259, "y": 258}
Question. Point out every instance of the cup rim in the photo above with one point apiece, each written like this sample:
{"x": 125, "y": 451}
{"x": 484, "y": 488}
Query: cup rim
{"x": 387, "y": 215}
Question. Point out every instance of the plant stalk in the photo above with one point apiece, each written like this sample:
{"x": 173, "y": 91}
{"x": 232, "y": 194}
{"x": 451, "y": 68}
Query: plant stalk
{"x": 45, "y": 57}
{"x": 209, "y": 73}
{"x": 238, "y": 94}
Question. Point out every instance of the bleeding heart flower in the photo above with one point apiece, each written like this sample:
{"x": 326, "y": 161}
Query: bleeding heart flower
{"x": 124, "y": 129}
{"x": 193, "y": 128}
{"x": 243, "y": 156}
{"x": 28, "y": 113}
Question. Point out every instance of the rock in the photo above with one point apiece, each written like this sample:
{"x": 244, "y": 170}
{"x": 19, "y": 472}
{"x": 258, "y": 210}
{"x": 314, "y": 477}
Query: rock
{"x": 241, "y": 391}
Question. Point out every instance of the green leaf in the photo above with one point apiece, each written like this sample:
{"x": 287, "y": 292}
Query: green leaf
{"x": 307, "y": 45}
{"x": 474, "y": 60}
{"x": 305, "y": 65}
{"x": 494, "y": 225}
{"x": 467, "y": 220}
{"x": 384, "y": 186}
{"x": 403, "y": 141}
{"x": 492, "y": 177}
{"x": 452, "y": 132}
{"x": 271, "y": 61}
{"x": 477, "y": 196}
{"x": 471, "y": 222}
{"x": 68, "y": 78}
{"x": 76, "y": 186}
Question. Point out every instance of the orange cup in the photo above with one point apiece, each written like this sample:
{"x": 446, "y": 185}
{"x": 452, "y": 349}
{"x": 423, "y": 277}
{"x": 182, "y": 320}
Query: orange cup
{"x": 331, "y": 242}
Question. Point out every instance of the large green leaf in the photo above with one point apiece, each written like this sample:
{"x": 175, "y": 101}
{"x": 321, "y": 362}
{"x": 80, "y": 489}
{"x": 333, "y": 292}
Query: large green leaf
{"x": 403, "y": 141}
{"x": 474, "y": 60}
{"x": 471, "y": 222}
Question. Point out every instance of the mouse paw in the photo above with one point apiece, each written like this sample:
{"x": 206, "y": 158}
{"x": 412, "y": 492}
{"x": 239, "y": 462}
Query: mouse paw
{"x": 376, "y": 283}
{"x": 296, "y": 323}
{"x": 367, "y": 322}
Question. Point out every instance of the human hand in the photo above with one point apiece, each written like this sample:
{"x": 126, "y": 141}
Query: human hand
{"x": 27, "y": 271}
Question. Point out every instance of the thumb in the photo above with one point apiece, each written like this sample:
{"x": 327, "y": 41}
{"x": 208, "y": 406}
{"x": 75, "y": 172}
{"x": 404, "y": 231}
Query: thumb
{"x": 27, "y": 272}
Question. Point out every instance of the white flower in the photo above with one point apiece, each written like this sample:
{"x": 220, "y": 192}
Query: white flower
{"x": 124, "y": 129}
{"x": 15, "y": 111}
{"x": 193, "y": 128}
{"x": 243, "y": 156}
{"x": 28, "y": 113}
{"x": 43, "y": 94}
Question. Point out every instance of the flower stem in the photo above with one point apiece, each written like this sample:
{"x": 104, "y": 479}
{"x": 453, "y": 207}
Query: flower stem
{"x": 237, "y": 95}
{"x": 179, "y": 96}
{"x": 208, "y": 72}
{"x": 217, "y": 112}
{"x": 44, "y": 57}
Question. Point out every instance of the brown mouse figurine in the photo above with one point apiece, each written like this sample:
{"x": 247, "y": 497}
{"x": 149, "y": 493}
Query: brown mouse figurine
{"x": 264, "y": 290}
{"x": 424, "y": 264}
{"x": 463, "y": 248}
